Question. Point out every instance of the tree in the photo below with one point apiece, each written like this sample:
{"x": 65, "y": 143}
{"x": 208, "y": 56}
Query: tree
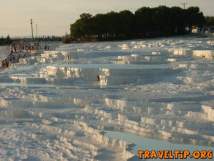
{"x": 125, "y": 23}
{"x": 209, "y": 21}
{"x": 145, "y": 22}
{"x": 195, "y": 17}
{"x": 5, "y": 41}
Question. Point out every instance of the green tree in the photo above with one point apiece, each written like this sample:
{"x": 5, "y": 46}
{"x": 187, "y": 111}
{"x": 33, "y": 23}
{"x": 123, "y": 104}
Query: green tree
{"x": 145, "y": 22}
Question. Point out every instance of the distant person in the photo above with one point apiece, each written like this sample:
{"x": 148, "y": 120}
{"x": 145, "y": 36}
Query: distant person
{"x": 15, "y": 49}
{"x": 47, "y": 47}
{"x": 5, "y": 63}
{"x": 98, "y": 78}
{"x": 11, "y": 51}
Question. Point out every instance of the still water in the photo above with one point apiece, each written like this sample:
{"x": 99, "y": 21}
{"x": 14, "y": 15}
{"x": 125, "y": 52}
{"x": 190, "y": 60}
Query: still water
{"x": 91, "y": 101}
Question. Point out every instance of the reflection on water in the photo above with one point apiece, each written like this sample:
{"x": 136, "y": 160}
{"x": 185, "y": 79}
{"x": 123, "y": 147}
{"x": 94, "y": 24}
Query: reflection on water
{"x": 58, "y": 106}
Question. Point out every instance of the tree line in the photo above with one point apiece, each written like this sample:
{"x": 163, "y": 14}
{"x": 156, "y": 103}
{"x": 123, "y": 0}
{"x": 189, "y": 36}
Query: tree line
{"x": 40, "y": 38}
{"x": 5, "y": 40}
{"x": 144, "y": 22}
{"x": 210, "y": 21}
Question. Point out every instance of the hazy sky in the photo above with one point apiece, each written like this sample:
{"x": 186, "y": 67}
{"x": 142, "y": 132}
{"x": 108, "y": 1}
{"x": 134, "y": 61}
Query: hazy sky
{"x": 54, "y": 16}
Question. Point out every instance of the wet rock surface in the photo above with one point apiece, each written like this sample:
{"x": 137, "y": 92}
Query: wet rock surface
{"x": 54, "y": 107}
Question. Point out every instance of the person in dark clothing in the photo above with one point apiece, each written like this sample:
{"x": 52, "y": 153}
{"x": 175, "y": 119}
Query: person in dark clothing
{"x": 5, "y": 63}
{"x": 98, "y": 78}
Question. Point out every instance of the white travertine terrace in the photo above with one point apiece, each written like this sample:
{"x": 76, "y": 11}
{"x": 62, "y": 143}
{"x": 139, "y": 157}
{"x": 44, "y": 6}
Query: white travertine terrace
{"x": 207, "y": 54}
{"x": 179, "y": 51}
{"x": 209, "y": 112}
{"x": 210, "y": 42}
{"x": 127, "y": 59}
{"x": 171, "y": 60}
{"x": 124, "y": 46}
{"x": 61, "y": 105}
{"x": 118, "y": 104}
{"x": 3, "y": 103}
{"x": 61, "y": 72}
{"x": 206, "y": 113}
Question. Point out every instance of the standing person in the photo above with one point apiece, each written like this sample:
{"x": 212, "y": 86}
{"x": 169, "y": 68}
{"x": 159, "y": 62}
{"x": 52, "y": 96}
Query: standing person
{"x": 11, "y": 49}
{"x": 14, "y": 47}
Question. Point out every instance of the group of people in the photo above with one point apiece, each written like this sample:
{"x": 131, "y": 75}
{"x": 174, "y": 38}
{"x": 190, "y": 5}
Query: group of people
{"x": 23, "y": 47}
{"x": 19, "y": 50}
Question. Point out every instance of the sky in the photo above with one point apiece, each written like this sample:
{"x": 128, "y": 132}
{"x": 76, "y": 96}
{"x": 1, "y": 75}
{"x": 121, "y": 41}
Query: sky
{"x": 53, "y": 17}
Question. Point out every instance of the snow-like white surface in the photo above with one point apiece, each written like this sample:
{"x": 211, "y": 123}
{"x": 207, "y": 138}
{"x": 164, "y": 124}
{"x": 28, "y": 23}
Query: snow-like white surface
{"x": 207, "y": 54}
{"x": 53, "y": 107}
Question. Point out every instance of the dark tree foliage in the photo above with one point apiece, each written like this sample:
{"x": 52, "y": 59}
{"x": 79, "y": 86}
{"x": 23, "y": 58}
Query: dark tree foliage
{"x": 5, "y": 41}
{"x": 145, "y": 22}
{"x": 210, "y": 21}
{"x": 40, "y": 39}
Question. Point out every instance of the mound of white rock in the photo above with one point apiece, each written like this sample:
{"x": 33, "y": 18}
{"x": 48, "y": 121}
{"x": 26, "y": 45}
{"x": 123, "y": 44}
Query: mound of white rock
{"x": 179, "y": 51}
{"x": 207, "y": 54}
